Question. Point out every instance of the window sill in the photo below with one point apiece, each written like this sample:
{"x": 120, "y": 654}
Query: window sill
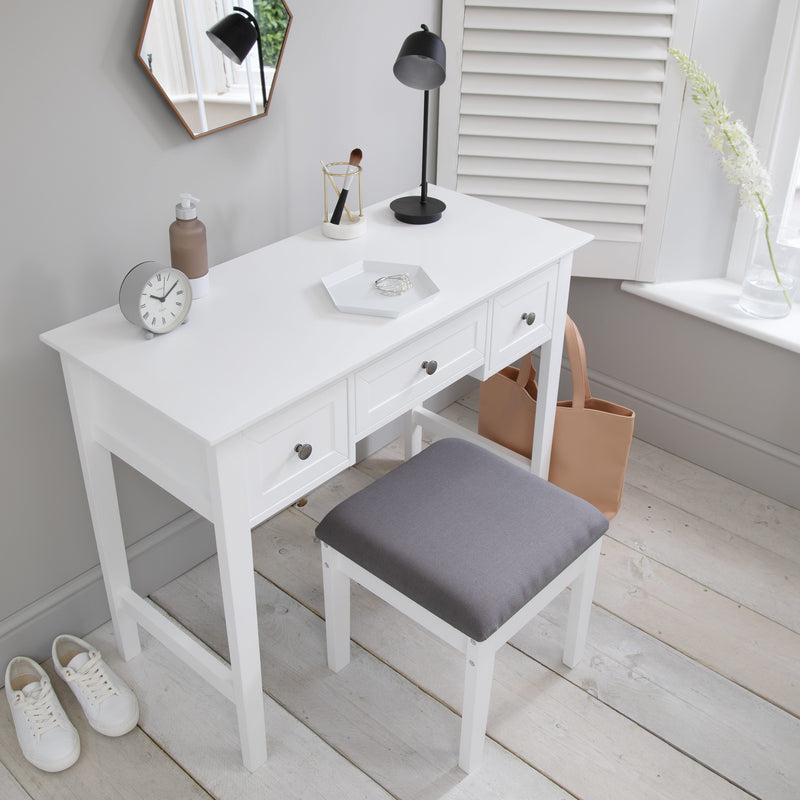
{"x": 715, "y": 300}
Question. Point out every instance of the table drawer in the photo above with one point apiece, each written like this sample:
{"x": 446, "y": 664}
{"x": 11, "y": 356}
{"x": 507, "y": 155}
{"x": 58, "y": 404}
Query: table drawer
{"x": 522, "y": 318}
{"x": 412, "y": 373}
{"x": 296, "y": 450}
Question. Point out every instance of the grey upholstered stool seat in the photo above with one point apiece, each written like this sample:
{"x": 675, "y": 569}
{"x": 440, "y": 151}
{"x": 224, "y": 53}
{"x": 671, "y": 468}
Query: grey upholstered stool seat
{"x": 469, "y": 545}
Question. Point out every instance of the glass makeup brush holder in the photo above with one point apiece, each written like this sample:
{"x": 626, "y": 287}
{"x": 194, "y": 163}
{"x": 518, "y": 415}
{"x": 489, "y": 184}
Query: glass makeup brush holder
{"x": 336, "y": 175}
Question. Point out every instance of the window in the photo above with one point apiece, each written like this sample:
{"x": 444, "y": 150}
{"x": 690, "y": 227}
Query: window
{"x": 777, "y": 135}
{"x": 572, "y": 109}
{"x": 777, "y": 131}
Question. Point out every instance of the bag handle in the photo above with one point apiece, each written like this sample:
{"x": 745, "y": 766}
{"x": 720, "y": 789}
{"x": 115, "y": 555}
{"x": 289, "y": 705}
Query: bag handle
{"x": 576, "y": 354}
{"x": 525, "y": 369}
{"x": 577, "y": 364}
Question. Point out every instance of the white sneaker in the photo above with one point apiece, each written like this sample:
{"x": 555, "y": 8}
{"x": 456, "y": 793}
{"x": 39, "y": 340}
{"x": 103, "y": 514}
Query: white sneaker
{"x": 47, "y": 737}
{"x": 110, "y": 706}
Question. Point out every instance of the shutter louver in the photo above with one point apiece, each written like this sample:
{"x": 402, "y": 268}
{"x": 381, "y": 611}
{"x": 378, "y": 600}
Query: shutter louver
{"x": 557, "y": 114}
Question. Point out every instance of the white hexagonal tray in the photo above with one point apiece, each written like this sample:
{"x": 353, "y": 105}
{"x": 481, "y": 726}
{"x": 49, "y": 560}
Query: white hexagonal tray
{"x": 353, "y": 291}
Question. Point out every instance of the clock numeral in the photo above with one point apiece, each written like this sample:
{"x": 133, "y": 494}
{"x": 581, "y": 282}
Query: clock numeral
{"x": 146, "y": 315}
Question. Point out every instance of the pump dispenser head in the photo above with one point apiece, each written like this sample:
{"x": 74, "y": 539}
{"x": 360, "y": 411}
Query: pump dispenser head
{"x": 186, "y": 208}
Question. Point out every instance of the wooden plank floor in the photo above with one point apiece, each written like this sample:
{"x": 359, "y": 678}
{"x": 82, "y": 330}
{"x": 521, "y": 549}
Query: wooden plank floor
{"x": 690, "y": 687}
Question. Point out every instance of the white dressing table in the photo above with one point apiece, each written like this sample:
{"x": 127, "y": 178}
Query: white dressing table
{"x": 214, "y": 412}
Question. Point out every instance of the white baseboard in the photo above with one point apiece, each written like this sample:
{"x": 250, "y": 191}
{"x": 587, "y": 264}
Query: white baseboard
{"x": 753, "y": 462}
{"x": 80, "y": 605}
{"x": 739, "y": 456}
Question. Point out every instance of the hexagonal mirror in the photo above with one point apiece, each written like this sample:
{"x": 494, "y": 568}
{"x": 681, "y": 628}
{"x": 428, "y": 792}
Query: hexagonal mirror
{"x": 202, "y": 56}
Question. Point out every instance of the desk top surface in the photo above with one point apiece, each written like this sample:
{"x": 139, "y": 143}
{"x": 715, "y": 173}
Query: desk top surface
{"x": 268, "y": 332}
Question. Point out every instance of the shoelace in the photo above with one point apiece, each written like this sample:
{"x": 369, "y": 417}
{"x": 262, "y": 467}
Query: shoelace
{"x": 94, "y": 679}
{"x": 39, "y": 711}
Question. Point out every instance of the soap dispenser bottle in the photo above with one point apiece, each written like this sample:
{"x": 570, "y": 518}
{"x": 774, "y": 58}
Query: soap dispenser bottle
{"x": 187, "y": 245}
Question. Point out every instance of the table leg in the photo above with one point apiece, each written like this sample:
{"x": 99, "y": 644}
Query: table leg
{"x": 235, "y": 555}
{"x": 549, "y": 375}
{"x": 101, "y": 492}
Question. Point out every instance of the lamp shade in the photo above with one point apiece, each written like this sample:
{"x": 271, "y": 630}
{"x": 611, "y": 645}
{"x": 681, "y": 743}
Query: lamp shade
{"x": 421, "y": 61}
{"x": 234, "y": 35}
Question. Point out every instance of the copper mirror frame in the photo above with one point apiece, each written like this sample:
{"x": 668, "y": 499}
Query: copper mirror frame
{"x": 178, "y": 56}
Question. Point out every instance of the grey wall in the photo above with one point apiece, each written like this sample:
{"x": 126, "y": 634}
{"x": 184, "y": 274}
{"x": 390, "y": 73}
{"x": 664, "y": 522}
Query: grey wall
{"x": 710, "y": 395}
{"x": 91, "y": 161}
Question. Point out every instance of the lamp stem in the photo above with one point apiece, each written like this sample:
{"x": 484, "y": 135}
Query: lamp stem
{"x": 424, "y": 190}
{"x": 260, "y": 54}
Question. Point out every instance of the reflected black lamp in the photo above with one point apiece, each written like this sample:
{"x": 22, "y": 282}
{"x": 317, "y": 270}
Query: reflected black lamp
{"x": 235, "y": 36}
{"x": 420, "y": 65}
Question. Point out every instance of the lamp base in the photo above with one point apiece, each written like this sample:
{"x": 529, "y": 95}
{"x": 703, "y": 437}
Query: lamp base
{"x": 413, "y": 211}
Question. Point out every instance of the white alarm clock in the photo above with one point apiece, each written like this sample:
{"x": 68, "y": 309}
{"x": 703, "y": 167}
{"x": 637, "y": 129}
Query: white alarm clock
{"x": 155, "y": 297}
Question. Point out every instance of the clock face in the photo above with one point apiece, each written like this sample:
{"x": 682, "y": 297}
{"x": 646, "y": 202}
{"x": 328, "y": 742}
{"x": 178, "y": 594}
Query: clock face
{"x": 164, "y": 301}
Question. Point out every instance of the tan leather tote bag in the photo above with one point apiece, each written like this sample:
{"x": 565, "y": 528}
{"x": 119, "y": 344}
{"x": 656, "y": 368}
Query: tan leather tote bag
{"x": 591, "y": 439}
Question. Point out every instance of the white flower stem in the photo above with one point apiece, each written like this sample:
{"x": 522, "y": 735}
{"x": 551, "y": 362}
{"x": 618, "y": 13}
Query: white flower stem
{"x": 763, "y": 205}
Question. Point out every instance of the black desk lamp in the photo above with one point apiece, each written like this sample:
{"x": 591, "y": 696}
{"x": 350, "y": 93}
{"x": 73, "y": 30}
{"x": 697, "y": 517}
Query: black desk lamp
{"x": 235, "y": 36}
{"x": 420, "y": 65}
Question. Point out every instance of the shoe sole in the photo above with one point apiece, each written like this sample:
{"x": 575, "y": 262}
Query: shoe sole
{"x": 55, "y": 766}
{"x": 117, "y": 730}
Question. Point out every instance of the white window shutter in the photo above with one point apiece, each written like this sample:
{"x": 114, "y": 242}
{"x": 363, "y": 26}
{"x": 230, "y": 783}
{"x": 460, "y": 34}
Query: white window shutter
{"x": 561, "y": 109}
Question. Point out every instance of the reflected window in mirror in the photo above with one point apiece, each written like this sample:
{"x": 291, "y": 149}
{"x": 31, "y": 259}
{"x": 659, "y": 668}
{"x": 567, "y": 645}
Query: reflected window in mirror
{"x": 205, "y": 88}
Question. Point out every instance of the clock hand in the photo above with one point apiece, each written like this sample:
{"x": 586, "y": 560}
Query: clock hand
{"x": 162, "y": 299}
{"x": 168, "y": 293}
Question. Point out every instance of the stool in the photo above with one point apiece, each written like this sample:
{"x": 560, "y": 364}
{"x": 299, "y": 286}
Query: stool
{"x": 470, "y": 546}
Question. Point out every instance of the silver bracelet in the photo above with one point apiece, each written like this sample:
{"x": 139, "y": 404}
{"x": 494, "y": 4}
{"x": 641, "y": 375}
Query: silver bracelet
{"x": 393, "y": 285}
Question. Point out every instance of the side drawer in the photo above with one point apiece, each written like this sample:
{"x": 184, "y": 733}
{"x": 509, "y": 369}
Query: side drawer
{"x": 281, "y": 466}
{"x": 396, "y": 383}
{"x": 522, "y": 318}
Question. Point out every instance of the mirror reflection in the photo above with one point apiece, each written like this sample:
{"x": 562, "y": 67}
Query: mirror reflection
{"x": 202, "y": 81}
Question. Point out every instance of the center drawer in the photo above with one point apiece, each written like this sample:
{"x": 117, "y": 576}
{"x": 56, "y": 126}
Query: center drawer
{"x": 296, "y": 450}
{"x": 418, "y": 370}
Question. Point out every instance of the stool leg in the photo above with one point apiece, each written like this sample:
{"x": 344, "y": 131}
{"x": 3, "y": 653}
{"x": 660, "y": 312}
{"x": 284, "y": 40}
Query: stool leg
{"x": 336, "y": 588}
{"x": 475, "y": 710}
{"x": 580, "y": 606}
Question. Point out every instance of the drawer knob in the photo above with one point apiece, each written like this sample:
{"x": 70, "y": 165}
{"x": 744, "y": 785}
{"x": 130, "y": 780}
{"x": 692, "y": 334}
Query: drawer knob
{"x": 303, "y": 451}
{"x": 429, "y": 366}
{"x": 530, "y": 317}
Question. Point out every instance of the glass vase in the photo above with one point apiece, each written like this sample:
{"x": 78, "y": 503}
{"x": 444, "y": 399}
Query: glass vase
{"x": 770, "y": 280}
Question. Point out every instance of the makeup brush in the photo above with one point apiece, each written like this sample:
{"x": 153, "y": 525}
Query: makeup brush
{"x": 355, "y": 160}
{"x": 335, "y": 189}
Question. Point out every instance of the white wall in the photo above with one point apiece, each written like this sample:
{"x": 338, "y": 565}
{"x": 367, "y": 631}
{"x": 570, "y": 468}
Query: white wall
{"x": 91, "y": 162}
